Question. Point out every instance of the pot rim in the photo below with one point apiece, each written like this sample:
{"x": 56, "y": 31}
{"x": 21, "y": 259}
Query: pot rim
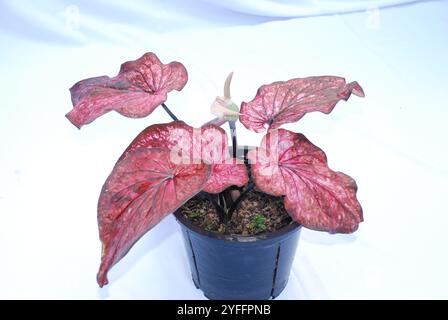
{"x": 292, "y": 226}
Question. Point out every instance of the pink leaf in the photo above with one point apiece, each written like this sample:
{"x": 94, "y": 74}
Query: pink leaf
{"x": 284, "y": 102}
{"x": 208, "y": 144}
{"x": 225, "y": 175}
{"x": 141, "y": 190}
{"x": 289, "y": 165}
{"x": 140, "y": 87}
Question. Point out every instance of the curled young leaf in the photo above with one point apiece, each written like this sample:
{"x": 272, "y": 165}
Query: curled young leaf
{"x": 283, "y": 102}
{"x": 140, "y": 87}
{"x": 223, "y": 107}
{"x": 208, "y": 144}
{"x": 142, "y": 189}
{"x": 288, "y": 164}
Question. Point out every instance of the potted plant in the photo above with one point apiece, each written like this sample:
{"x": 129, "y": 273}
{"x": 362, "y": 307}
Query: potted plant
{"x": 240, "y": 210}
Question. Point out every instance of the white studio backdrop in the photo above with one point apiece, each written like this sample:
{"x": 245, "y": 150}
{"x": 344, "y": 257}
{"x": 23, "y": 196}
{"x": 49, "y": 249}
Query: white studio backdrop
{"x": 80, "y": 21}
{"x": 393, "y": 142}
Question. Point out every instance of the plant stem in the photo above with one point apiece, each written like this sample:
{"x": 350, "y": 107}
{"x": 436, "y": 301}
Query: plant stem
{"x": 227, "y": 199}
{"x": 237, "y": 202}
{"x": 169, "y": 112}
{"x": 246, "y": 162}
{"x": 232, "y": 127}
{"x": 219, "y": 209}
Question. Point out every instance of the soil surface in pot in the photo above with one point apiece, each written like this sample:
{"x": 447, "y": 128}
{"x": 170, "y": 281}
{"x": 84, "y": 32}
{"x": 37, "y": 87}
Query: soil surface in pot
{"x": 258, "y": 213}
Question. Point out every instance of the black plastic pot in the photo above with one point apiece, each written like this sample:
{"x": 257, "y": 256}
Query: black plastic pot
{"x": 239, "y": 267}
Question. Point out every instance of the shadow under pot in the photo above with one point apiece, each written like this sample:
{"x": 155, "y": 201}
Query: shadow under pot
{"x": 234, "y": 267}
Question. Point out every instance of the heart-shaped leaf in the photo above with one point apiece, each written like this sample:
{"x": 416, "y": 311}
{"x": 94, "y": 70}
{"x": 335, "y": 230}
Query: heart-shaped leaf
{"x": 142, "y": 189}
{"x": 140, "y": 87}
{"x": 231, "y": 172}
{"x": 288, "y": 164}
{"x": 208, "y": 143}
{"x": 283, "y": 102}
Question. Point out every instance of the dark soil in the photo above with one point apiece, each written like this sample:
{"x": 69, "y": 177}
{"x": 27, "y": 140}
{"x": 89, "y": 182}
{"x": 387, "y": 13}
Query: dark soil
{"x": 258, "y": 213}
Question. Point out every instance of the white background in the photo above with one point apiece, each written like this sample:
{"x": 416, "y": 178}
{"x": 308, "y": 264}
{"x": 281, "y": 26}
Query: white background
{"x": 393, "y": 142}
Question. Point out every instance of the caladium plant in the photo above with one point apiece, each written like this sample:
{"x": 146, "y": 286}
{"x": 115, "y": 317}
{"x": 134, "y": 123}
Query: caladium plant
{"x": 168, "y": 164}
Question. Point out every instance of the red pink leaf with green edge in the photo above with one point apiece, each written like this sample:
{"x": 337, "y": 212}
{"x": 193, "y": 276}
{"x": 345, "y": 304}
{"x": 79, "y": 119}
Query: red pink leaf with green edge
{"x": 142, "y": 189}
{"x": 231, "y": 172}
{"x": 288, "y": 164}
{"x": 208, "y": 144}
{"x": 140, "y": 87}
{"x": 288, "y": 101}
